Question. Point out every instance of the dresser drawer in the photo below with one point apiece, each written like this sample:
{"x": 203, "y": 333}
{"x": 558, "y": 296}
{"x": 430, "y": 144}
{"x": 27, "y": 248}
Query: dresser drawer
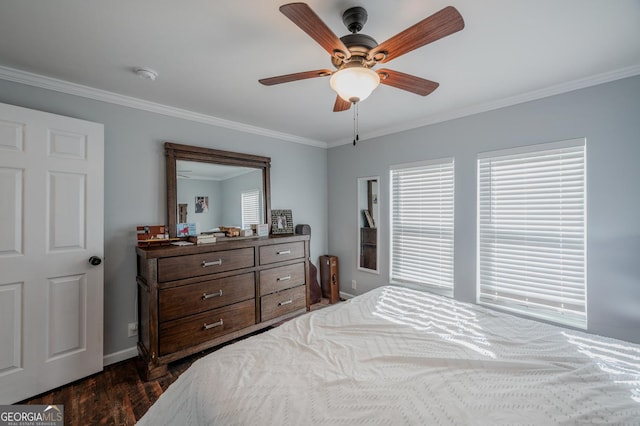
{"x": 276, "y": 304}
{"x": 191, "y": 299}
{"x": 178, "y": 267}
{"x": 280, "y": 252}
{"x": 281, "y": 278}
{"x": 193, "y": 330}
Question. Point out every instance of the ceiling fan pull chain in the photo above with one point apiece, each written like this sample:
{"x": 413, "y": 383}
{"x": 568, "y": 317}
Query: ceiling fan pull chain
{"x": 356, "y": 116}
{"x": 354, "y": 123}
{"x": 358, "y": 122}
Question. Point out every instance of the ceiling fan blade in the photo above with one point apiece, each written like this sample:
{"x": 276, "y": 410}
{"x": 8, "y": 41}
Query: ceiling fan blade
{"x": 295, "y": 76}
{"x": 441, "y": 24}
{"x": 408, "y": 82}
{"x": 305, "y": 18}
{"x": 341, "y": 105}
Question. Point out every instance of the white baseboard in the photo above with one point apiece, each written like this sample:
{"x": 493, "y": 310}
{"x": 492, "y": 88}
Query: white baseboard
{"x": 346, "y": 295}
{"x": 120, "y": 356}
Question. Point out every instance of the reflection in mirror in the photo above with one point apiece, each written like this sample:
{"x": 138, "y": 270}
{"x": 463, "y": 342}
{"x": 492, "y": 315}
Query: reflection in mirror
{"x": 232, "y": 195}
{"x": 213, "y": 188}
{"x": 368, "y": 219}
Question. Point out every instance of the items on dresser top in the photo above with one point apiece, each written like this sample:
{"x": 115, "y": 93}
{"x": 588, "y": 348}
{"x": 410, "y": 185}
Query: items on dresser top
{"x": 203, "y": 239}
{"x": 187, "y": 229}
{"x": 153, "y": 235}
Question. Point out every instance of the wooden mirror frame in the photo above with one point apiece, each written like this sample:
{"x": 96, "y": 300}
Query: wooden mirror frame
{"x": 174, "y": 152}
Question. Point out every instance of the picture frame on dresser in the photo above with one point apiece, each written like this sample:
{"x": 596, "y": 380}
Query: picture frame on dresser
{"x": 281, "y": 222}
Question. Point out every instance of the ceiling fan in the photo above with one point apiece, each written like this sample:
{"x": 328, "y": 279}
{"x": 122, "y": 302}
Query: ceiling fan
{"x": 355, "y": 54}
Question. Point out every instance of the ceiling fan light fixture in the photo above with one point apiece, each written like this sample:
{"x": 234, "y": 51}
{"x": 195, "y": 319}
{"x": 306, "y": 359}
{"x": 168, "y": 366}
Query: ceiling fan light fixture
{"x": 354, "y": 84}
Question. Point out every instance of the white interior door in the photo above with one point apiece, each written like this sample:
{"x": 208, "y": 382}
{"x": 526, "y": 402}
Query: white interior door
{"x": 51, "y": 223}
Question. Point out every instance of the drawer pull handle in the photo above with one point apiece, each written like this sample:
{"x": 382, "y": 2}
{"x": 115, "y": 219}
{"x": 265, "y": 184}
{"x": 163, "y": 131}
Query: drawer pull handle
{"x": 284, "y": 252}
{"x": 286, "y": 302}
{"x": 206, "y": 296}
{"x": 215, "y": 324}
{"x": 287, "y": 278}
{"x": 215, "y": 263}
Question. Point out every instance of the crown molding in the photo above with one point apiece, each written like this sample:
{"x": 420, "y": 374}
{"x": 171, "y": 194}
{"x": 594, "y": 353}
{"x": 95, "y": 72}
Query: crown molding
{"x": 43, "y": 82}
{"x": 36, "y": 80}
{"x": 557, "y": 89}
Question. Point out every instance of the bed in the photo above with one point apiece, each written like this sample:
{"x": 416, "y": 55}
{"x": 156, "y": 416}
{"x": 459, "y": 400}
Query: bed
{"x": 399, "y": 356}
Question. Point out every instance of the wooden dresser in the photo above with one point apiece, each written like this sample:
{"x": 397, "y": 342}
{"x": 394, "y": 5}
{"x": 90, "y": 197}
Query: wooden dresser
{"x": 191, "y": 298}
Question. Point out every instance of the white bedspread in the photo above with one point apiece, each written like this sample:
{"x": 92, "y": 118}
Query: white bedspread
{"x": 395, "y": 356}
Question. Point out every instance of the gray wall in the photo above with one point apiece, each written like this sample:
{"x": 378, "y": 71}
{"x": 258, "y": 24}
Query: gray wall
{"x": 135, "y": 183}
{"x": 607, "y": 115}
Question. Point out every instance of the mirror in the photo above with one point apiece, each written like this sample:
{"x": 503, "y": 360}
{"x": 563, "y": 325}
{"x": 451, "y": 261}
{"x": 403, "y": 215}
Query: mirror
{"x": 214, "y": 188}
{"x": 368, "y": 219}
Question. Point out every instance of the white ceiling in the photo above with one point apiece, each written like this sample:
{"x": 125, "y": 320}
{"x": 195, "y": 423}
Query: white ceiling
{"x": 210, "y": 54}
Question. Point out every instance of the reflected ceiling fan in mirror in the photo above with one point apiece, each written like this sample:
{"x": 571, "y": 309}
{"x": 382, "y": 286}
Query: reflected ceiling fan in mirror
{"x": 355, "y": 55}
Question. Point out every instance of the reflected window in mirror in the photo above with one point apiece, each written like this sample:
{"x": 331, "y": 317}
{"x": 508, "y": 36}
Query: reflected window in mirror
{"x": 251, "y": 209}
{"x": 368, "y": 220}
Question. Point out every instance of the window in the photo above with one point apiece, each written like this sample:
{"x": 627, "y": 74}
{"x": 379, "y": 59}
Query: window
{"x": 422, "y": 225}
{"x": 531, "y": 231}
{"x": 250, "y": 208}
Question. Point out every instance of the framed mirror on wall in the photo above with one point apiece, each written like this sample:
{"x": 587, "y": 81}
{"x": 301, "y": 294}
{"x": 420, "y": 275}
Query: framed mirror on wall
{"x": 212, "y": 187}
{"x": 368, "y": 219}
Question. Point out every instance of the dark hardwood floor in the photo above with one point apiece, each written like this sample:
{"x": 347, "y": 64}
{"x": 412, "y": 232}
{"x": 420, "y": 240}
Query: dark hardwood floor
{"x": 116, "y": 396}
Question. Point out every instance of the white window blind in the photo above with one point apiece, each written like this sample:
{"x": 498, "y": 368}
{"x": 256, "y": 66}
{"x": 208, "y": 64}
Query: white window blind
{"x": 531, "y": 231}
{"x": 422, "y": 225}
{"x": 250, "y": 208}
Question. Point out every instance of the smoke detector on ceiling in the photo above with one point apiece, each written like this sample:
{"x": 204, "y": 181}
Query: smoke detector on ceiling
{"x": 146, "y": 73}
